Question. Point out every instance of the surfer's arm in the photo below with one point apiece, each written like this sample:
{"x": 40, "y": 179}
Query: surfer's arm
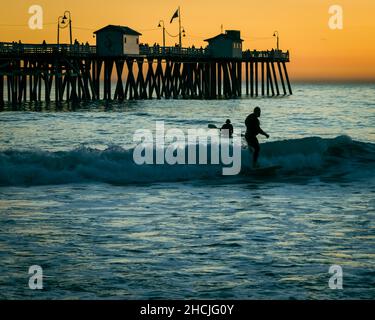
{"x": 263, "y": 133}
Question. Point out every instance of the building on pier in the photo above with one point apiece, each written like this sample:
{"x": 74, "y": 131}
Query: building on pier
{"x": 117, "y": 41}
{"x": 226, "y": 45}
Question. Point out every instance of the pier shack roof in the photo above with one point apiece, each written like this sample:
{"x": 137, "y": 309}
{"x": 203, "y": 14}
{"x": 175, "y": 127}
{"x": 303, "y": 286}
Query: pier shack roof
{"x": 233, "y": 35}
{"x": 122, "y": 29}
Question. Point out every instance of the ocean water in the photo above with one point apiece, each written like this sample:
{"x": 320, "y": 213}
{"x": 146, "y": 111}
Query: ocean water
{"x": 73, "y": 201}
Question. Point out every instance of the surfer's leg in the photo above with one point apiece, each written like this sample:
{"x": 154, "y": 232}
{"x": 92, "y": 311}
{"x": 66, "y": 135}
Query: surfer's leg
{"x": 249, "y": 145}
{"x": 254, "y": 144}
{"x": 256, "y": 147}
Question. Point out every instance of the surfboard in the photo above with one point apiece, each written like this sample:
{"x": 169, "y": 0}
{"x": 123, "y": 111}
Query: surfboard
{"x": 263, "y": 171}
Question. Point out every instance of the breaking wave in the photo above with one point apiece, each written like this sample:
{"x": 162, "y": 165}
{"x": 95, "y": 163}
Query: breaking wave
{"x": 338, "y": 158}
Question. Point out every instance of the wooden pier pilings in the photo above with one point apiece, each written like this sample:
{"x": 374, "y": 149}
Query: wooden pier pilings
{"x": 54, "y": 74}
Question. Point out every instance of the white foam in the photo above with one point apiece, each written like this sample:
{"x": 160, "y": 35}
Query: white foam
{"x": 116, "y": 166}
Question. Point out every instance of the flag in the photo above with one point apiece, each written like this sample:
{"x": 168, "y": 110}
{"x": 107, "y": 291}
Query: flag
{"x": 176, "y": 14}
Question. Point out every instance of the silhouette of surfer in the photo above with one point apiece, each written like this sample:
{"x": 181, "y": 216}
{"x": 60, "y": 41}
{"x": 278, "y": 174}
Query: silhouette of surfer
{"x": 252, "y": 130}
{"x": 227, "y": 126}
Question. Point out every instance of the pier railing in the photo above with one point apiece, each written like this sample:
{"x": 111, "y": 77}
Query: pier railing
{"x": 269, "y": 54}
{"x": 20, "y": 48}
{"x": 156, "y": 51}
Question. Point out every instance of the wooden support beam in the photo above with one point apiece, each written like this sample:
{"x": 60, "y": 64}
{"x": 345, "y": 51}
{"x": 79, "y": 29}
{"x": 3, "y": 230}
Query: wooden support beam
{"x": 275, "y": 78}
{"x": 86, "y": 67}
{"x": 39, "y": 84}
{"x": 9, "y": 86}
{"x": 262, "y": 71}
{"x": 175, "y": 79}
{"x": 198, "y": 79}
{"x": 256, "y": 78}
{"x": 213, "y": 78}
{"x": 186, "y": 81}
{"x": 167, "y": 77}
{"x": 99, "y": 65}
{"x": 78, "y": 78}
{"x": 270, "y": 78}
{"x": 47, "y": 82}
{"x": 239, "y": 78}
{"x": 150, "y": 78}
{"x": 73, "y": 83}
{"x": 281, "y": 77}
{"x": 232, "y": 75}
{"x": 183, "y": 80}
{"x": 252, "y": 79}
{"x": 56, "y": 74}
{"x": 219, "y": 79}
{"x": 287, "y": 78}
{"x": 109, "y": 79}
{"x": 191, "y": 79}
{"x": 140, "y": 80}
{"x": 181, "y": 76}
{"x": 227, "y": 85}
{"x": 119, "y": 91}
{"x": 90, "y": 75}
{"x": 158, "y": 78}
{"x": 30, "y": 65}
{"x": 208, "y": 80}
{"x": 24, "y": 80}
{"x": 247, "y": 77}
{"x": 21, "y": 77}
{"x": 133, "y": 91}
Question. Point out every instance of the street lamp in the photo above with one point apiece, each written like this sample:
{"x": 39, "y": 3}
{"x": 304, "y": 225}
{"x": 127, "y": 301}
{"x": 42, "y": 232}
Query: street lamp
{"x": 161, "y": 24}
{"x": 276, "y": 34}
{"x": 60, "y": 25}
{"x": 70, "y": 24}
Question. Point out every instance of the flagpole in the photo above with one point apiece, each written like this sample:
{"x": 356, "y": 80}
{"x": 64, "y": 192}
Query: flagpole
{"x": 179, "y": 21}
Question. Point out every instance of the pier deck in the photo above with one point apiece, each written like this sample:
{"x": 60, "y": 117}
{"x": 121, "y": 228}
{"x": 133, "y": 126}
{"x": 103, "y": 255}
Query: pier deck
{"x": 35, "y": 72}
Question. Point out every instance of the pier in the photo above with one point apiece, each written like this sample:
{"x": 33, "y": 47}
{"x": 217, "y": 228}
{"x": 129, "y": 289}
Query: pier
{"x": 51, "y": 72}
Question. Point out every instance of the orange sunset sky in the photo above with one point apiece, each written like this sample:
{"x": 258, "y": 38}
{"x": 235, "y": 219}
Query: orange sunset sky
{"x": 317, "y": 52}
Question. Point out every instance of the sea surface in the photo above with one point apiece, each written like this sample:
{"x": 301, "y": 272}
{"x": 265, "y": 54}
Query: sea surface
{"x": 73, "y": 201}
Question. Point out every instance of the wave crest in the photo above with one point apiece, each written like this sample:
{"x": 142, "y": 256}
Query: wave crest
{"x": 312, "y": 156}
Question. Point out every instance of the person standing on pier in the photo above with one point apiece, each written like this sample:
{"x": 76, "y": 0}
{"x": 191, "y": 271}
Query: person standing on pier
{"x": 252, "y": 130}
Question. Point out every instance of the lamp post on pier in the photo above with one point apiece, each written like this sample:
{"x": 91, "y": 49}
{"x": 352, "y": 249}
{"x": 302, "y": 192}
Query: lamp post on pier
{"x": 161, "y": 24}
{"x": 70, "y": 24}
{"x": 62, "y": 24}
{"x": 276, "y": 34}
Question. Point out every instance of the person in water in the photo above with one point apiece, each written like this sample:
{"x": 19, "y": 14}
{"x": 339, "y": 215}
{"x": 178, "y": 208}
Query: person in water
{"x": 228, "y": 126}
{"x": 252, "y": 130}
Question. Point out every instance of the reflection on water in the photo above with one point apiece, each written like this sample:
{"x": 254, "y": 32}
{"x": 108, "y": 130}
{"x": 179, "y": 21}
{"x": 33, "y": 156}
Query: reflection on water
{"x": 121, "y": 242}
